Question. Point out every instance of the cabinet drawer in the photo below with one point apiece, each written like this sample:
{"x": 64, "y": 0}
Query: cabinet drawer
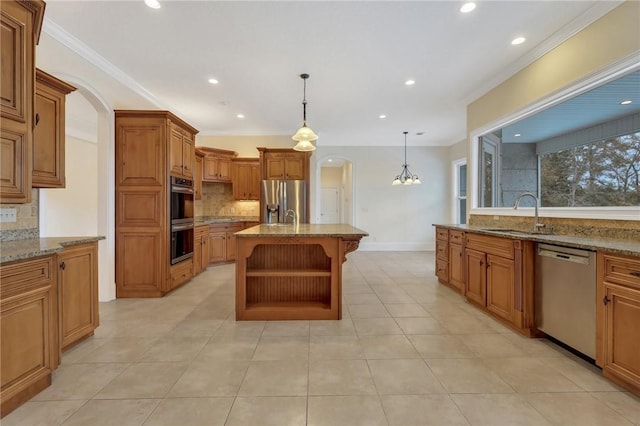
{"x": 21, "y": 275}
{"x": 442, "y": 234}
{"x": 442, "y": 270}
{"x": 456, "y": 237}
{"x": 226, "y": 227}
{"x": 181, "y": 273}
{"x": 621, "y": 270}
{"x": 442, "y": 250}
{"x": 491, "y": 245}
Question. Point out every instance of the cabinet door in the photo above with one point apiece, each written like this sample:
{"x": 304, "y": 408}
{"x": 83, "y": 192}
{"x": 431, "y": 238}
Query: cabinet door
{"x": 224, "y": 169}
{"x": 197, "y": 178}
{"x": 294, "y": 168}
{"x": 188, "y": 154}
{"x": 197, "y": 252}
{"x": 621, "y": 333}
{"x": 15, "y": 154}
{"x": 210, "y": 169}
{"x": 456, "y": 272}
{"x": 500, "y": 286}
{"x": 175, "y": 153}
{"x": 476, "y": 275}
{"x": 217, "y": 247}
{"x": 16, "y": 84}
{"x": 231, "y": 246}
{"x": 48, "y": 140}
{"x": 240, "y": 181}
{"x": 275, "y": 168}
{"x": 253, "y": 185}
{"x": 77, "y": 292}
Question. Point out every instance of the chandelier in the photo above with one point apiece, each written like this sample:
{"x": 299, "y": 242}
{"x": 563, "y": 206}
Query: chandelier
{"x": 304, "y": 136}
{"x": 406, "y": 177}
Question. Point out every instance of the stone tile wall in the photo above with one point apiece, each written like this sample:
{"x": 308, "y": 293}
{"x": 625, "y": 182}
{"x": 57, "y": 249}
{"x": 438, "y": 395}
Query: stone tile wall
{"x": 217, "y": 200}
{"x": 26, "y": 224}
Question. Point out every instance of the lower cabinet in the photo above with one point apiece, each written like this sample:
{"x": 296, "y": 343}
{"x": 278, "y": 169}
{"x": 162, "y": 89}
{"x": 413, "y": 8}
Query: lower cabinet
{"x": 29, "y": 329}
{"x": 77, "y": 293}
{"x": 222, "y": 242}
{"x": 200, "y": 248}
{"x": 498, "y": 274}
{"x": 180, "y": 273}
{"x": 618, "y": 318}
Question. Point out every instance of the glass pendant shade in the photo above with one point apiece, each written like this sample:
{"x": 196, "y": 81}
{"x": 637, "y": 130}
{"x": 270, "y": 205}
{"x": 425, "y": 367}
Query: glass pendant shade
{"x": 304, "y": 136}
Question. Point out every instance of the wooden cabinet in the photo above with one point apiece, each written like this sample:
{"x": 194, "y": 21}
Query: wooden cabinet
{"x": 284, "y": 163}
{"x": 21, "y": 22}
{"x": 29, "y": 329}
{"x": 618, "y": 316}
{"x": 144, "y": 140}
{"x": 246, "y": 178}
{"x": 181, "y": 273}
{"x": 222, "y": 241}
{"x": 200, "y": 249}
{"x": 498, "y": 276}
{"x": 450, "y": 258}
{"x": 49, "y": 131}
{"x": 77, "y": 293}
{"x": 197, "y": 175}
{"x": 216, "y": 164}
{"x": 181, "y": 152}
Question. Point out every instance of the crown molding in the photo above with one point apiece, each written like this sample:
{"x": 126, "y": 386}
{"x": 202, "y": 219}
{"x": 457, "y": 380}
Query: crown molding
{"x": 595, "y": 12}
{"x": 65, "y": 38}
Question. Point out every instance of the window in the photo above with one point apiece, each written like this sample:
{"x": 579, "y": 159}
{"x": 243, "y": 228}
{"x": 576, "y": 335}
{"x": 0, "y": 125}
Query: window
{"x": 604, "y": 173}
{"x": 460, "y": 191}
{"x": 489, "y": 171}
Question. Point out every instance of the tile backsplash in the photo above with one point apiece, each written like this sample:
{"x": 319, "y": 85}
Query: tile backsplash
{"x": 26, "y": 224}
{"x": 625, "y": 230}
{"x": 217, "y": 200}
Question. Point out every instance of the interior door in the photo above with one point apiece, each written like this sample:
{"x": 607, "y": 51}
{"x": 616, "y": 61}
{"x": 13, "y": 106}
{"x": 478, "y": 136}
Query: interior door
{"x": 329, "y": 205}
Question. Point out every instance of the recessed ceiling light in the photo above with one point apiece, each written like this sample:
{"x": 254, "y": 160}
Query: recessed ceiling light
{"x": 330, "y": 160}
{"x": 517, "y": 135}
{"x": 626, "y": 102}
{"x": 468, "y": 7}
{"x": 153, "y": 4}
{"x": 410, "y": 82}
{"x": 518, "y": 40}
{"x": 213, "y": 81}
{"x": 240, "y": 115}
{"x": 382, "y": 116}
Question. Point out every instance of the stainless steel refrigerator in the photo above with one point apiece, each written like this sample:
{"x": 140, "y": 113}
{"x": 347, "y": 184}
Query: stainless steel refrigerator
{"x": 283, "y": 201}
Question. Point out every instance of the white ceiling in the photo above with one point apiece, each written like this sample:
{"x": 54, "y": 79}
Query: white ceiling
{"x": 358, "y": 54}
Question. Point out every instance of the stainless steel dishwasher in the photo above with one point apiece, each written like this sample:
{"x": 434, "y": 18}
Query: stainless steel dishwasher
{"x": 565, "y": 299}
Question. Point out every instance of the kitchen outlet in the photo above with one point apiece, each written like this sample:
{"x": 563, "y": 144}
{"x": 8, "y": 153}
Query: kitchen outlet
{"x": 7, "y": 215}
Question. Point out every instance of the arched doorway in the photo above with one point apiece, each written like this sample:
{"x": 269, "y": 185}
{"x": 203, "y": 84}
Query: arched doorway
{"x": 335, "y": 190}
{"x": 104, "y": 138}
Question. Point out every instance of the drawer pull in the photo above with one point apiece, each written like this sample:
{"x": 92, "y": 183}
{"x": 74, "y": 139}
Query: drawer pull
{"x": 63, "y": 266}
{"x": 635, "y": 274}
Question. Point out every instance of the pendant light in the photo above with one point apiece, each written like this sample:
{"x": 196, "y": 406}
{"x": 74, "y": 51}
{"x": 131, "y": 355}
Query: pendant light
{"x": 406, "y": 177}
{"x": 304, "y": 136}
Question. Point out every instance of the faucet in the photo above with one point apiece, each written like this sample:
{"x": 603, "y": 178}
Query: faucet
{"x": 293, "y": 216}
{"x": 537, "y": 226}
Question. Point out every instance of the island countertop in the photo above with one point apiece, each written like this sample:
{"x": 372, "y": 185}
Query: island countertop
{"x": 303, "y": 230}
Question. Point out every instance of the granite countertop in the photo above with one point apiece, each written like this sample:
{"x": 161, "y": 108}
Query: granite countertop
{"x": 302, "y": 230}
{"x": 26, "y": 249}
{"x": 625, "y": 247}
{"x": 206, "y": 220}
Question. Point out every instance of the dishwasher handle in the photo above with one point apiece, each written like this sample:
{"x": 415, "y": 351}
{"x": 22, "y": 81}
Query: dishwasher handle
{"x": 559, "y": 254}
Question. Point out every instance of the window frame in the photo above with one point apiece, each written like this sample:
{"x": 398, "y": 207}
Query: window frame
{"x": 455, "y": 210}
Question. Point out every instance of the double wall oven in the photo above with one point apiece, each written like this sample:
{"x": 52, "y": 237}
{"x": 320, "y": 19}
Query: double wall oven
{"x": 181, "y": 225}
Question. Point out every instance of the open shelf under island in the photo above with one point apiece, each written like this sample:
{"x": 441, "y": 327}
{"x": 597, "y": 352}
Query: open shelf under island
{"x": 292, "y": 272}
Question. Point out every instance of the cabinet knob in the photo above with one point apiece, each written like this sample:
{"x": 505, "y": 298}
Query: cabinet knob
{"x": 606, "y": 300}
{"x": 37, "y": 118}
{"x": 62, "y": 265}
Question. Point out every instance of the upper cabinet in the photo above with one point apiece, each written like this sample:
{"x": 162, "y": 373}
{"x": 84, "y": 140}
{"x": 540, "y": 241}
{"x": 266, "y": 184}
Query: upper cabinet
{"x": 284, "y": 163}
{"x": 49, "y": 131}
{"x": 197, "y": 175}
{"x": 216, "y": 164}
{"x": 21, "y": 22}
{"x": 182, "y": 151}
{"x": 246, "y": 178}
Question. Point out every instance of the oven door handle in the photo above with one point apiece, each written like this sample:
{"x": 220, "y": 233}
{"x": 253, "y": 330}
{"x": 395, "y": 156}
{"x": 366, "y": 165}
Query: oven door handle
{"x": 181, "y": 189}
{"x": 184, "y": 227}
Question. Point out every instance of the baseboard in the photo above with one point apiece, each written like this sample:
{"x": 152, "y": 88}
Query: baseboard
{"x": 395, "y": 246}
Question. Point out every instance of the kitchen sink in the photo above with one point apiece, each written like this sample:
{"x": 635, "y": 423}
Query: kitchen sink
{"x": 511, "y": 231}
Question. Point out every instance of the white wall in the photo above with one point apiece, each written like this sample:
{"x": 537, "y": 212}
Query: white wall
{"x": 73, "y": 210}
{"x": 396, "y": 217}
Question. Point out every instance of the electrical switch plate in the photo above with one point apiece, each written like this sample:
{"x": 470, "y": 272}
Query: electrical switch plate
{"x": 7, "y": 215}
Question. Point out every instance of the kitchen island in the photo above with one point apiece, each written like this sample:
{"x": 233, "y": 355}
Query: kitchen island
{"x": 292, "y": 272}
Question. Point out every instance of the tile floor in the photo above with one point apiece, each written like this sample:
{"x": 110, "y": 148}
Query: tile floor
{"x": 408, "y": 352}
